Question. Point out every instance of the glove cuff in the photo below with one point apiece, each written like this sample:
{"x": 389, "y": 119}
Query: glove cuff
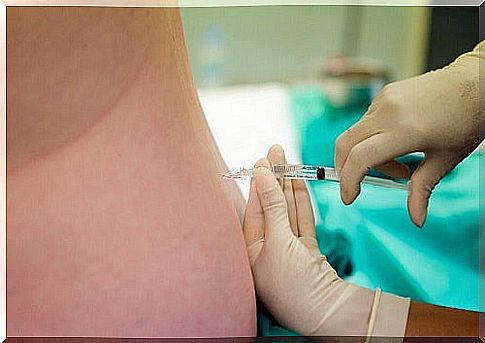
{"x": 390, "y": 316}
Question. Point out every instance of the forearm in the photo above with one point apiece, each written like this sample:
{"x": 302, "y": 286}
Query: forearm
{"x": 430, "y": 320}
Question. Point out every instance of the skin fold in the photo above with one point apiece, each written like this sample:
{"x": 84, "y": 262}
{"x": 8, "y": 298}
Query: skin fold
{"x": 118, "y": 223}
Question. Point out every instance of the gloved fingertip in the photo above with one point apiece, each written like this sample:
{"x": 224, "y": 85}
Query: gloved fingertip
{"x": 417, "y": 208}
{"x": 262, "y": 162}
{"x": 348, "y": 195}
{"x": 345, "y": 199}
{"x": 419, "y": 219}
{"x": 348, "y": 200}
{"x": 276, "y": 148}
{"x": 343, "y": 196}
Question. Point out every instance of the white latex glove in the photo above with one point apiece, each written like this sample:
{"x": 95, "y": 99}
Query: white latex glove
{"x": 293, "y": 279}
{"x": 437, "y": 113}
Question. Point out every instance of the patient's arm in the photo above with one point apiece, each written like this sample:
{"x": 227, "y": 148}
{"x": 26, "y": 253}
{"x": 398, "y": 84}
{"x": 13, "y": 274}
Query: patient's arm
{"x": 118, "y": 224}
{"x": 429, "y": 320}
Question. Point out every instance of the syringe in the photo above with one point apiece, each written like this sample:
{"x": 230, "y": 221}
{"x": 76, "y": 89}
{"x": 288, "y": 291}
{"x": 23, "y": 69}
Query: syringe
{"x": 307, "y": 172}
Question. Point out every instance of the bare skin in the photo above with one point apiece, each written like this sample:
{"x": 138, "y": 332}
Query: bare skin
{"x": 118, "y": 224}
{"x": 434, "y": 321}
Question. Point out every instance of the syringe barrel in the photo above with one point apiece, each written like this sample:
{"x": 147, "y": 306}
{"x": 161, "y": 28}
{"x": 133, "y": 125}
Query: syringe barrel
{"x": 377, "y": 181}
{"x": 296, "y": 171}
{"x": 307, "y": 172}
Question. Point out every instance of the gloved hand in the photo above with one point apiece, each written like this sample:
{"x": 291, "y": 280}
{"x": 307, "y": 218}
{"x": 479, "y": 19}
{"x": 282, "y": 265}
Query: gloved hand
{"x": 437, "y": 113}
{"x": 293, "y": 279}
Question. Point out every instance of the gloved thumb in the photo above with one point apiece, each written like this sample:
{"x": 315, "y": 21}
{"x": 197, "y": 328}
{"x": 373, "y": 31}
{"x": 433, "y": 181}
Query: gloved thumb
{"x": 273, "y": 203}
{"x": 422, "y": 183}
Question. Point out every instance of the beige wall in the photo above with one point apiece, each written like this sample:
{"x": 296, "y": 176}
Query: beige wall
{"x": 396, "y": 35}
{"x": 266, "y": 43}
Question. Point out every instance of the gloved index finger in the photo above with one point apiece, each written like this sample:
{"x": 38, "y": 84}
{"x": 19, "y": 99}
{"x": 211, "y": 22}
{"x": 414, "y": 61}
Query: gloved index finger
{"x": 273, "y": 203}
{"x": 347, "y": 140}
{"x": 372, "y": 151}
{"x": 276, "y": 155}
{"x": 304, "y": 210}
{"x": 253, "y": 226}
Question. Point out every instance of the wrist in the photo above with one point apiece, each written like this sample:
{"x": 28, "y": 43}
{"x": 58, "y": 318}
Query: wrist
{"x": 343, "y": 311}
{"x": 463, "y": 75}
{"x": 391, "y": 314}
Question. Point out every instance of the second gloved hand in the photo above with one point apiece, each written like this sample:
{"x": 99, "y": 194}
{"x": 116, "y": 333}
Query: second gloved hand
{"x": 437, "y": 113}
